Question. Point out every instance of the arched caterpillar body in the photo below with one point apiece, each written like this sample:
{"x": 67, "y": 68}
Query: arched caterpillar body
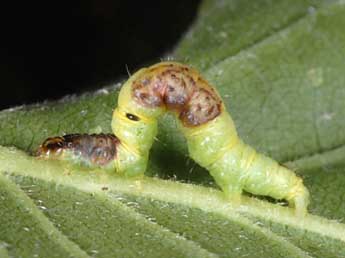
{"x": 209, "y": 130}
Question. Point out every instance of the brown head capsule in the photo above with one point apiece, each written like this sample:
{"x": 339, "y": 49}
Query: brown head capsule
{"x": 95, "y": 149}
{"x": 180, "y": 89}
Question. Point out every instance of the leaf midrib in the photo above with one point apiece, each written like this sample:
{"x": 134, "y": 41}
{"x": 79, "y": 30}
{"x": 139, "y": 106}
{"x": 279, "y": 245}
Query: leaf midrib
{"x": 96, "y": 188}
{"x": 206, "y": 199}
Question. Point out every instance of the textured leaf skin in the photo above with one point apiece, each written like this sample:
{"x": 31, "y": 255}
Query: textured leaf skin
{"x": 279, "y": 67}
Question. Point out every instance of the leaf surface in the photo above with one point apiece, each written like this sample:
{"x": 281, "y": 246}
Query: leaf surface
{"x": 279, "y": 68}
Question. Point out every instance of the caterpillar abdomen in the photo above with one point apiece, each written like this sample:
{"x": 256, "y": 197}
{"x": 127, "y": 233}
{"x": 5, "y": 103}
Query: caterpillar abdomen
{"x": 236, "y": 166}
{"x": 257, "y": 174}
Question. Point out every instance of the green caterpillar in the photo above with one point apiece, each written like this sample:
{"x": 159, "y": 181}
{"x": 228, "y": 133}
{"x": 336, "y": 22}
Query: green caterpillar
{"x": 209, "y": 130}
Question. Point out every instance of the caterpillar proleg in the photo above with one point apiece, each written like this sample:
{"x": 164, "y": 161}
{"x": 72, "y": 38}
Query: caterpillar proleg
{"x": 211, "y": 135}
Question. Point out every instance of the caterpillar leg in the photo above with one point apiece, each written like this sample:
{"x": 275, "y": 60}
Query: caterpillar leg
{"x": 298, "y": 198}
{"x": 233, "y": 193}
{"x": 228, "y": 180}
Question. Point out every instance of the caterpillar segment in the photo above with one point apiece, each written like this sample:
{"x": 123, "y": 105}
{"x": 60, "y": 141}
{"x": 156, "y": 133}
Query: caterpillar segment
{"x": 91, "y": 150}
{"x": 203, "y": 119}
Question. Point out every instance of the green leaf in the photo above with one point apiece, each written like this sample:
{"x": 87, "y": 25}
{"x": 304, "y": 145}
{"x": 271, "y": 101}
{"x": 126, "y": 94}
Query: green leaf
{"x": 279, "y": 67}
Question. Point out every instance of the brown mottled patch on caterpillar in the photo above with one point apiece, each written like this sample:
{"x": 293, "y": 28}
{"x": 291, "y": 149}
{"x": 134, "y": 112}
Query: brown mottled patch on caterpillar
{"x": 201, "y": 108}
{"x": 98, "y": 149}
{"x": 180, "y": 89}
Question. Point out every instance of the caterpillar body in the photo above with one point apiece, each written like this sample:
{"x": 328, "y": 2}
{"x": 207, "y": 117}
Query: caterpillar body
{"x": 211, "y": 136}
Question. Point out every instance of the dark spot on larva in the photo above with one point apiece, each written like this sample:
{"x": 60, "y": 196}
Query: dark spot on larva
{"x": 142, "y": 95}
{"x": 211, "y": 110}
{"x": 132, "y": 117}
{"x": 104, "y": 188}
{"x": 146, "y": 81}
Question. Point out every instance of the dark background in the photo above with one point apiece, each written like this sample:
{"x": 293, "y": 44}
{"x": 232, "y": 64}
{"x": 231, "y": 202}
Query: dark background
{"x": 52, "y": 49}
